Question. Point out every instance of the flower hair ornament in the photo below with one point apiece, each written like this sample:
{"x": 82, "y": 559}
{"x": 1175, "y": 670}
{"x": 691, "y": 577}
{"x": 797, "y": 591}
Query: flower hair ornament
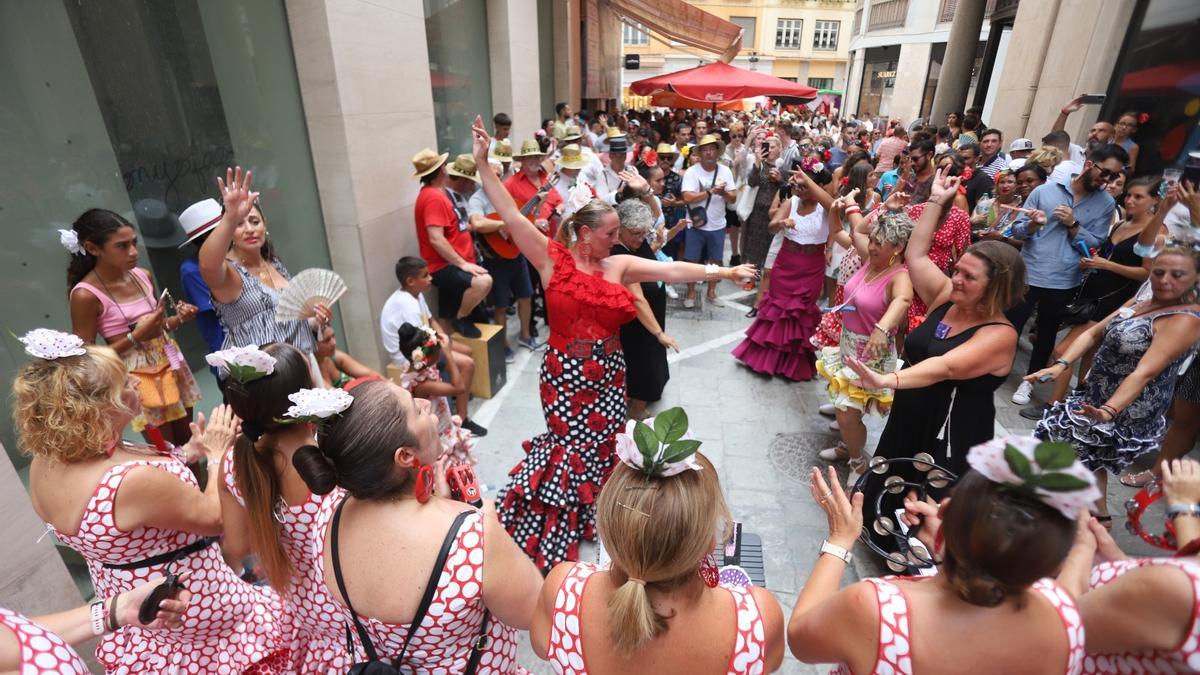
{"x": 578, "y": 197}
{"x": 419, "y": 358}
{"x": 49, "y": 344}
{"x": 1047, "y": 472}
{"x": 70, "y": 241}
{"x": 649, "y": 157}
{"x": 660, "y": 446}
{"x": 316, "y": 406}
{"x": 244, "y": 364}
{"x": 812, "y": 164}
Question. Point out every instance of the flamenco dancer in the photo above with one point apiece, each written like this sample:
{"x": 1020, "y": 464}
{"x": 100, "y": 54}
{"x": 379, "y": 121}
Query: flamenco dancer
{"x": 549, "y": 505}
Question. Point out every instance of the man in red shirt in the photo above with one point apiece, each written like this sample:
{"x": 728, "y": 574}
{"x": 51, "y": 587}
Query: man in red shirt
{"x": 524, "y": 184}
{"x": 447, "y": 246}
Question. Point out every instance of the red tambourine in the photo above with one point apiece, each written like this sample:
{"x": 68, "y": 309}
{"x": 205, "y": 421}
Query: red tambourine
{"x": 1136, "y": 505}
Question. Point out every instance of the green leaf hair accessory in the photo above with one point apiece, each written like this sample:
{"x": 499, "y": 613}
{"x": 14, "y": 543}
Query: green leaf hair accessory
{"x": 1048, "y": 472}
{"x": 660, "y": 446}
{"x": 244, "y": 364}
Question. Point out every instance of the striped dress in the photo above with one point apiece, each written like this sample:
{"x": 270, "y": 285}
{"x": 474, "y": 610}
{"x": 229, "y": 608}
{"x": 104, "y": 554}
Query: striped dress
{"x": 250, "y": 320}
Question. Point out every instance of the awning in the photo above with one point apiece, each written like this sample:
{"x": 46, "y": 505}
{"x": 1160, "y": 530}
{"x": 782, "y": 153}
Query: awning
{"x": 683, "y": 23}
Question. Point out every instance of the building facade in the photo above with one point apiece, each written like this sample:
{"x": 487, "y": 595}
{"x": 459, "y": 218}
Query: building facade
{"x": 805, "y": 41}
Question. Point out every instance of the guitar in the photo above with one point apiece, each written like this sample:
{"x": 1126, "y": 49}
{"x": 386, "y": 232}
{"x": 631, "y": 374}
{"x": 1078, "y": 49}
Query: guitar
{"x": 498, "y": 241}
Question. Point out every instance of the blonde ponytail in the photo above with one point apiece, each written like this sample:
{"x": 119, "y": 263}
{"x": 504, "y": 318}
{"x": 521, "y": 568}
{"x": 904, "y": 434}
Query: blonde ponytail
{"x": 588, "y": 215}
{"x": 632, "y": 621}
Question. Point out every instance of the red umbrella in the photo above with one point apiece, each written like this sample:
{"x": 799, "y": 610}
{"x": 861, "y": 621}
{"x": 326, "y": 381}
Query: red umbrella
{"x": 667, "y": 99}
{"x": 719, "y": 82}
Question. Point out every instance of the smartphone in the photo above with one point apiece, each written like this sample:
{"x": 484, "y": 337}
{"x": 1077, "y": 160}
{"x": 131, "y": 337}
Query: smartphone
{"x": 766, "y": 148}
{"x": 1092, "y": 99}
{"x": 148, "y": 611}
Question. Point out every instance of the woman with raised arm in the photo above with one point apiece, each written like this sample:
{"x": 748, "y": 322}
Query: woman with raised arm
{"x": 134, "y": 514}
{"x": 957, "y": 357}
{"x": 245, "y": 276}
{"x": 549, "y": 504}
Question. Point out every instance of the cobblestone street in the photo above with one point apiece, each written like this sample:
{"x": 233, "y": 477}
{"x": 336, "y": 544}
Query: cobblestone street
{"x": 762, "y": 434}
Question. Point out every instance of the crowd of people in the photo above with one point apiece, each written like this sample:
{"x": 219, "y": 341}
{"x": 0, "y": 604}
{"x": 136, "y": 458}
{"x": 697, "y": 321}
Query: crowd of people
{"x": 324, "y": 517}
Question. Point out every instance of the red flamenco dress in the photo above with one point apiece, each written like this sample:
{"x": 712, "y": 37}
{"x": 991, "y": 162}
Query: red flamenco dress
{"x": 549, "y": 504}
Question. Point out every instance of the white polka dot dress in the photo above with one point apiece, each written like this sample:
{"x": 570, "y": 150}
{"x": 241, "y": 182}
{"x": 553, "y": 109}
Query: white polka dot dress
{"x": 229, "y": 626}
{"x": 895, "y": 640}
{"x": 1185, "y": 659}
{"x": 312, "y": 624}
{"x": 566, "y": 642}
{"x": 442, "y": 644}
{"x": 42, "y": 652}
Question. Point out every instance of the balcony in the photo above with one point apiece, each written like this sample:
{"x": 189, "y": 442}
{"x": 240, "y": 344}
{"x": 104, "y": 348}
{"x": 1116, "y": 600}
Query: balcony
{"x": 887, "y": 14}
{"x": 948, "y": 7}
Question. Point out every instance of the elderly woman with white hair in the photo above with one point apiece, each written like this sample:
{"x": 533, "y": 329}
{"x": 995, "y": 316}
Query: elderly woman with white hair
{"x": 645, "y": 341}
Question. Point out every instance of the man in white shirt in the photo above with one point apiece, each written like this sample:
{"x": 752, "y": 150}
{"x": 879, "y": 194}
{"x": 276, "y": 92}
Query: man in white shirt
{"x": 608, "y": 183}
{"x": 407, "y": 305}
{"x": 707, "y": 188}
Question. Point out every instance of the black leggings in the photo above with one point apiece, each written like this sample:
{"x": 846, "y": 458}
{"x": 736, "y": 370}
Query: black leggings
{"x": 1050, "y": 303}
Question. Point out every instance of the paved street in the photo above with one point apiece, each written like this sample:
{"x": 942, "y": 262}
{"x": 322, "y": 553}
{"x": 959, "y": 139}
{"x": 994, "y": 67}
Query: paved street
{"x": 762, "y": 434}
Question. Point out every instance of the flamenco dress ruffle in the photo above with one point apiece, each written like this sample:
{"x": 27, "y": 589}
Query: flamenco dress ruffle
{"x": 779, "y": 340}
{"x": 1113, "y": 446}
{"x": 843, "y": 393}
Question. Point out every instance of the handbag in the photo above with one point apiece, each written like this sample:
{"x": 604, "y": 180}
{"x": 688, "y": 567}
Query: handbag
{"x": 375, "y": 665}
{"x": 1081, "y": 309}
{"x": 156, "y": 385}
{"x": 699, "y": 214}
{"x": 745, "y": 201}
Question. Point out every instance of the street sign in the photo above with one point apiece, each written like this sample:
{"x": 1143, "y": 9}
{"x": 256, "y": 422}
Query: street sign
{"x": 633, "y": 61}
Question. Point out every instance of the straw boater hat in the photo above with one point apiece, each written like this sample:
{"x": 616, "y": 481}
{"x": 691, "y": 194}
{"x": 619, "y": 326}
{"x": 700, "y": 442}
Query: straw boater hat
{"x": 666, "y": 149}
{"x": 464, "y": 167}
{"x": 572, "y": 133}
{"x": 712, "y": 139}
{"x": 529, "y": 148}
{"x": 427, "y": 161}
{"x": 572, "y": 158}
{"x": 200, "y": 218}
{"x": 502, "y": 151}
{"x": 614, "y": 132}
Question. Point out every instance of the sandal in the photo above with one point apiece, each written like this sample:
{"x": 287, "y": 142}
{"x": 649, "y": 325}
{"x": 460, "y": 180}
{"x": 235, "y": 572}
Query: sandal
{"x": 1138, "y": 480}
{"x": 752, "y": 313}
{"x": 838, "y": 453}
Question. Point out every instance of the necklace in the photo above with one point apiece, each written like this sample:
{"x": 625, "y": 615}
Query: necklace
{"x": 262, "y": 271}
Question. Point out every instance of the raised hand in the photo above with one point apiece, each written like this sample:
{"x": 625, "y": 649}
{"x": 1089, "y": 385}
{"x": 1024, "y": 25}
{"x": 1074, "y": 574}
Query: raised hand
{"x": 897, "y": 200}
{"x": 843, "y": 514}
{"x": 1181, "y": 481}
{"x": 1074, "y": 105}
{"x": 634, "y": 180}
{"x": 944, "y": 188}
{"x": 236, "y": 194}
{"x": 481, "y": 142}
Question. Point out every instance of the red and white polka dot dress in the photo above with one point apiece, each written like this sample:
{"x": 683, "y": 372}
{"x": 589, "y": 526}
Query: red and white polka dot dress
{"x": 42, "y": 652}
{"x": 443, "y": 642}
{"x": 566, "y": 645}
{"x": 950, "y": 240}
{"x": 312, "y": 623}
{"x": 1185, "y": 659}
{"x": 895, "y": 640}
{"x": 229, "y": 626}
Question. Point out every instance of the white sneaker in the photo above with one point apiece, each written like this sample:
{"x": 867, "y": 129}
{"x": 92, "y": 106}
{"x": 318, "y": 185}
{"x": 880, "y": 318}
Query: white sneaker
{"x": 1022, "y": 394}
{"x": 716, "y": 302}
{"x": 833, "y": 426}
{"x": 837, "y": 453}
{"x": 827, "y": 410}
{"x": 671, "y": 292}
{"x": 689, "y": 303}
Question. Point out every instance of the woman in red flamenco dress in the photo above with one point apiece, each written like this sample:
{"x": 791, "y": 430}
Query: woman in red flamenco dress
{"x": 548, "y": 505}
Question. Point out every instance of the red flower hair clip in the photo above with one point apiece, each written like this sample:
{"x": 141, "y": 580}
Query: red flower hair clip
{"x": 844, "y": 182}
{"x": 649, "y": 157}
{"x": 1143, "y": 118}
{"x": 827, "y": 155}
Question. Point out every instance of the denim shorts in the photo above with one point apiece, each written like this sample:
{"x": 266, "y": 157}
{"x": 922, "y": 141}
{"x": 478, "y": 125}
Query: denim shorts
{"x": 704, "y": 245}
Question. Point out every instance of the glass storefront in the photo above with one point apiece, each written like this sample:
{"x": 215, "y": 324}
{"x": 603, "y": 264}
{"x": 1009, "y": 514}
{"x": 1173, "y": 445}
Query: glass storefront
{"x": 136, "y": 106}
{"x": 878, "y": 81}
{"x": 459, "y": 69}
{"x": 1158, "y": 77}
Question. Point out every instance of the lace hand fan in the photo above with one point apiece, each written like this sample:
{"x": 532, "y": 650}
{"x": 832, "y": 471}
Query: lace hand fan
{"x": 305, "y": 291}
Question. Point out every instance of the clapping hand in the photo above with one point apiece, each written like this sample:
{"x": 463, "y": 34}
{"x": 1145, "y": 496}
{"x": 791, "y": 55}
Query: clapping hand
{"x": 843, "y": 514}
{"x": 215, "y": 436}
{"x": 236, "y": 195}
{"x": 1181, "y": 481}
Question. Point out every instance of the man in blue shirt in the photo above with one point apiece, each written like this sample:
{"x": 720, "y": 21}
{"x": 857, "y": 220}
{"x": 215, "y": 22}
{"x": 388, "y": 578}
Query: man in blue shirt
{"x": 198, "y": 221}
{"x": 1062, "y": 218}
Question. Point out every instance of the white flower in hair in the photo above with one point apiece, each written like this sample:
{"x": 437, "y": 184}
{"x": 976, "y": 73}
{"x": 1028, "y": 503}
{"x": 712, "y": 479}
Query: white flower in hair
{"x": 818, "y": 167}
{"x": 244, "y": 364}
{"x": 417, "y": 358}
{"x": 318, "y": 404}
{"x": 70, "y": 241}
{"x": 49, "y": 344}
{"x": 1048, "y": 472}
{"x": 659, "y": 447}
{"x": 577, "y": 198}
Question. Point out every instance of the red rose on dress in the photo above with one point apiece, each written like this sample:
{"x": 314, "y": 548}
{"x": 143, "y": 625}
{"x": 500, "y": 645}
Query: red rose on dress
{"x": 553, "y": 364}
{"x": 619, "y": 379}
{"x": 549, "y": 394}
{"x": 593, "y": 371}
{"x": 557, "y": 426}
{"x": 597, "y": 422}
{"x": 585, "y": 397}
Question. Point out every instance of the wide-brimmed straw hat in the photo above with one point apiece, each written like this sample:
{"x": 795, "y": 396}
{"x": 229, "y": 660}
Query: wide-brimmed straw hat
{"x": 200, "y": 218}
{"x": 427, "y": 161}
{"x": 666, "y": 149}
{"x": 464, "y": 167}
{"x": 571, "y": 133}
{"x": 711, "y": 139}
{"x": 502, "y": 151}
{"x": 572, "y": 157}
{"x": 529, "y": 148}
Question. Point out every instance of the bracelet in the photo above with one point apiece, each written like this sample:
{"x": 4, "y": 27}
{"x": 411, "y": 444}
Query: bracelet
{"x": 1192, "y": 510}
{"x": 711, "y": 270}
{"x": 853, "y": 209}
{"x": 112, "y": 612}
{"x": 896, "y": 373}
{"x": 1109, "y": 409}
{"x": 881, "y": 329}
{"x": 132, "y": 340}
{"x": 97, "y": 618}
{"x": 1062, "y": 362}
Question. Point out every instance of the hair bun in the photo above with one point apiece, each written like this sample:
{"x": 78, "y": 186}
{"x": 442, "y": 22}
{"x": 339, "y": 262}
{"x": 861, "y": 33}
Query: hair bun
{"x": 316, "y": 469}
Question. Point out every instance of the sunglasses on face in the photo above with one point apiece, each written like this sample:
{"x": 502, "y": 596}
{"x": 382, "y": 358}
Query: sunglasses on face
{"x": 1105, "y": 175}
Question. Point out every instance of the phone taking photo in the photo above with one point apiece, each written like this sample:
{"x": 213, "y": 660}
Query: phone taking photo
{"x": 1092, "y": 99}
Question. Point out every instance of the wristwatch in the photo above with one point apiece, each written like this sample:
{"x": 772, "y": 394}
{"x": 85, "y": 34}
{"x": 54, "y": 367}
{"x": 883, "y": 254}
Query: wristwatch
{"x": 1192, "y": 510}
{"x": 836, "y": 551}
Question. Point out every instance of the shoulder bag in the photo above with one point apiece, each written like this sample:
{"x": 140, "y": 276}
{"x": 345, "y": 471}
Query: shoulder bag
{"x": 699, "y": 214}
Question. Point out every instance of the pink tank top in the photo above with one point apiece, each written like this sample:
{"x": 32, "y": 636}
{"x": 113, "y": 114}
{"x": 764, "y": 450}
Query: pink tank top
{"x": 115, "y": 317}
{"x": 868, "y": 299}
{"x": 566, "y": 644}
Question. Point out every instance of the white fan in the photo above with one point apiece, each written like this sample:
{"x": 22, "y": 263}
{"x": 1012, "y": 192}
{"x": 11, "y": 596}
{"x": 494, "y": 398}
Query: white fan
{"x": 306, "y": 290}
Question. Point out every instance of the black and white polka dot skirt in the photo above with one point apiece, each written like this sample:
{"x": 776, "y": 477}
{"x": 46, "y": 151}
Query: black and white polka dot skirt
{"x": 549, "y": 504}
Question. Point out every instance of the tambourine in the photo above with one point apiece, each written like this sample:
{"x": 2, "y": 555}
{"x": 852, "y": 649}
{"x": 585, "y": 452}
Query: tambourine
{"x": 1136, "y": 505}
{"x": 910, "y": 558}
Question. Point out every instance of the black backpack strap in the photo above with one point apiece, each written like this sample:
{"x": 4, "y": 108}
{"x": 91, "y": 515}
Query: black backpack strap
{"x": 341, "y": 584}
{"x": 431, "y": 586}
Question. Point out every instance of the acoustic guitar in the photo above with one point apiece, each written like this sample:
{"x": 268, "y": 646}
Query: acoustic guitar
{"x": 498, "y": 241}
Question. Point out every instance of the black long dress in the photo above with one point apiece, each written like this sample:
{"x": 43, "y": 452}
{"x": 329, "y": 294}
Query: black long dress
{"x": 963, "y": 408}
{"x": 646, "y": 371}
